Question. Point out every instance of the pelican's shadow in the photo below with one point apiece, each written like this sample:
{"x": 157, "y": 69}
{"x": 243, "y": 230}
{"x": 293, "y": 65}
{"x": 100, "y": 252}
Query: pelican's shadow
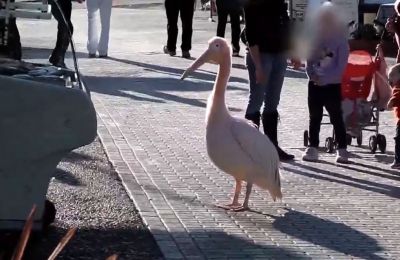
{"x": 335, "y": 236}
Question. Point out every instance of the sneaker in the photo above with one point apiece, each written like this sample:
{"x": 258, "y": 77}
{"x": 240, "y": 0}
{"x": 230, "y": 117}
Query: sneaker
{"x": 310, "y": 155}
{"x": 103, "y": 56}
{"x": 395, "y": 165}
{"x": 235, "y": 53}
{"x": 92, "y": 55}
{"x": 166, "y": 51}
{"x": 342, "y": 156}
{"x": 186, "y": 54}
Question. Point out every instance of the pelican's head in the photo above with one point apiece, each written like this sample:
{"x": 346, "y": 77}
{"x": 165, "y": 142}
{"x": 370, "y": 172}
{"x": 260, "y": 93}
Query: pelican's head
{"x": 218, "y": 50}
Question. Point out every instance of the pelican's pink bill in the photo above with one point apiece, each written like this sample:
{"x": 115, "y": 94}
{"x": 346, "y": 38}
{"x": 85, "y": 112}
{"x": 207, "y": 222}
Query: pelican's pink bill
{"x": 196, "y": 64}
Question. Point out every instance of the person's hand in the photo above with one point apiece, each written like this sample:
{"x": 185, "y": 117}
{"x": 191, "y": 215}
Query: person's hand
{"x": 390, "y": 104}
{"x": 315, "y": 79}
{"x": 260, "y": 76}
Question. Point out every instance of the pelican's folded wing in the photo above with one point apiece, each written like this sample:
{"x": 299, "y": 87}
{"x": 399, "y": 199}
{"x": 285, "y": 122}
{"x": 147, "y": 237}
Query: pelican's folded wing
{"x": 257, "y": 146}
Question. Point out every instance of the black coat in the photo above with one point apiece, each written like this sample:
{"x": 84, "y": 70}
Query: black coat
{"x": 230, "y": 5}
{"x": 267, "y": 25}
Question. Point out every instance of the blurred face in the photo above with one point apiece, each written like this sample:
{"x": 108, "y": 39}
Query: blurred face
{"x": 327, "y": 21}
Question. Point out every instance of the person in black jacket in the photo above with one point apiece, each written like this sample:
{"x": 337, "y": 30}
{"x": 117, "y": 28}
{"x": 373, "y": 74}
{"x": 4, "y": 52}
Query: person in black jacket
{"x": 186, "y": 10}
{"x": 233, "y": 8}
{"x": 267, "y": 35}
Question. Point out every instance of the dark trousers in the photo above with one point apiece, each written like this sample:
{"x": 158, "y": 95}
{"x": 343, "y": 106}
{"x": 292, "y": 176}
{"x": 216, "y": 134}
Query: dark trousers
{"x": 63, "y": 31}
{"x": 11, "y": 48}
{"x": 235, "y": 25}
{"x": 186, "y": 10}
{"x": 329, "y": 97}
{"x": 397, "y": 144}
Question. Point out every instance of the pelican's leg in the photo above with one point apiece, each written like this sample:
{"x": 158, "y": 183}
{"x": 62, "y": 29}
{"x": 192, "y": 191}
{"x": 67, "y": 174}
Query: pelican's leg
{"x": 235, "y": 201}
{"x": 245, "y": 205}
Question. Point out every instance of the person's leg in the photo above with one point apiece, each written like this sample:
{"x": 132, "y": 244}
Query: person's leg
{"x": 333, "y": 104}
{"x": 396, "y": 162}
{"x": 14, "y": 41}
{"x": 64, "y": 31}
{"x": 256, "y": 96}
{"x": 93, "y": 40}
{"x": 222, "y": 20}
{"x": 275, "y": 76}
{"x": 315, "y": 110}
{"x": 105, "y": 16}
{"x": 187, "y": 12}
{"x": 172, "y": 9}
{"x": 235, "y": 25}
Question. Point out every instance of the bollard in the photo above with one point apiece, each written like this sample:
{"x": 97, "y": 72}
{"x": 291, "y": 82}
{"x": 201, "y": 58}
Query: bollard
{"x": 39, "y": 124}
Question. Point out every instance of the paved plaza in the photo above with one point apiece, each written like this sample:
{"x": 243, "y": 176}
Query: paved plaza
{"x": 152, "y": 127}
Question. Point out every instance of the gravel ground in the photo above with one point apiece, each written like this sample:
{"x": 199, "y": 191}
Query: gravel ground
{"x": 89, "y": 195}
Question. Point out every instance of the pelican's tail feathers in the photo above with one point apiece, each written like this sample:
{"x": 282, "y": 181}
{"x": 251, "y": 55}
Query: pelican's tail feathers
{"x": 275, "y": 186}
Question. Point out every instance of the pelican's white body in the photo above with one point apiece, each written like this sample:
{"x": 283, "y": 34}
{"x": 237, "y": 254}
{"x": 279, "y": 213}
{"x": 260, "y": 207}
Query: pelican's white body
{"x": 235, "y": 145}
{"x": 238, "y": 148}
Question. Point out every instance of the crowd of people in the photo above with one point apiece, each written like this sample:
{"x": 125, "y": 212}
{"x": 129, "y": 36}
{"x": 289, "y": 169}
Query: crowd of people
{"x": 267, "y": 34}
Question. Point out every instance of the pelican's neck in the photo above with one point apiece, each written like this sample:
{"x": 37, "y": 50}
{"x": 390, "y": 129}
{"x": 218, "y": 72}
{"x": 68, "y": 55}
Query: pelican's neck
{"x": 221, "y": 82}
{"x": 216, "y": 107}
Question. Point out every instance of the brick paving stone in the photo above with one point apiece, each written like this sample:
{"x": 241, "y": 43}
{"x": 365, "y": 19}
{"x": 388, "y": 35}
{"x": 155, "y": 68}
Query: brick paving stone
{"x": 152, "y": 128}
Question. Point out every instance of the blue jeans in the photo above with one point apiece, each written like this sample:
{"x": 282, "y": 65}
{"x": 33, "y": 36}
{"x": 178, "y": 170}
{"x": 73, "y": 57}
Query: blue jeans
{"x": 274, "y": 66}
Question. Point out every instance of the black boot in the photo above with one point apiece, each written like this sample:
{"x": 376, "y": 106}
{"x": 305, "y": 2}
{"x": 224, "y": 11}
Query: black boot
{"x": 255, "y": 118}
{"x": 270, "y": 125}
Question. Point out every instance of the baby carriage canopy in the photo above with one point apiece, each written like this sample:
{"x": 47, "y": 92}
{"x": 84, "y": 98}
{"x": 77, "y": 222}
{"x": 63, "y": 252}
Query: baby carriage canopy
{"x": 357, "y": 79}
{"x": 365, "y": 78}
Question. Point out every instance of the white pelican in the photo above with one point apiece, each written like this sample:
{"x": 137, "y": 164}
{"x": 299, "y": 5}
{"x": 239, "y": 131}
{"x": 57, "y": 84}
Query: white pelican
{"x": 235, "y": 145}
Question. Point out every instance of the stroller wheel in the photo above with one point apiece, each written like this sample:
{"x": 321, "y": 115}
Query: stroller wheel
{"x": 306, "y": 138}
{"x": 381, "y": 140}
{"x": 373, "y": 143}
{"x": 329, "y": 145}
{"x": 348, "y": 139}
{"x": 359, "y": 139}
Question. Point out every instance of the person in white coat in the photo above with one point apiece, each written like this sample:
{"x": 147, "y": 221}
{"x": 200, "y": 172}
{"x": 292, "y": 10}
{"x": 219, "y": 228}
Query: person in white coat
{"x": 95, "y": 44}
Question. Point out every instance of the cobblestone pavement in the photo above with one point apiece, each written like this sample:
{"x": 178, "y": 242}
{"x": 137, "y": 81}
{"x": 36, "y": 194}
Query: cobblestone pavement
{"x": 152, "y": 127}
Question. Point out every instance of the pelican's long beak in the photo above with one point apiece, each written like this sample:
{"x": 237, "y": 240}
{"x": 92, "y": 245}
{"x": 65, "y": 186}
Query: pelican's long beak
{"x": 196, "y": 64}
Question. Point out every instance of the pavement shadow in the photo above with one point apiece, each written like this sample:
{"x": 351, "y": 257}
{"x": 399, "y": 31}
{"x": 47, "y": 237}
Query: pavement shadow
{"x": 154, "y": 90}
{"x": 98, "y": 243}
{"x": 75, "y": 156}
{"x": 175, "y": 71}
{"x": 336, "y": 236}
{"x": 66, "y": 177}
{"x": 44, "y": 53}
{"x": 325, "y": 175}
{"x": 371, "y": 170}
{"x": 385, "y": 158}
{"x": 296, "y": 74}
